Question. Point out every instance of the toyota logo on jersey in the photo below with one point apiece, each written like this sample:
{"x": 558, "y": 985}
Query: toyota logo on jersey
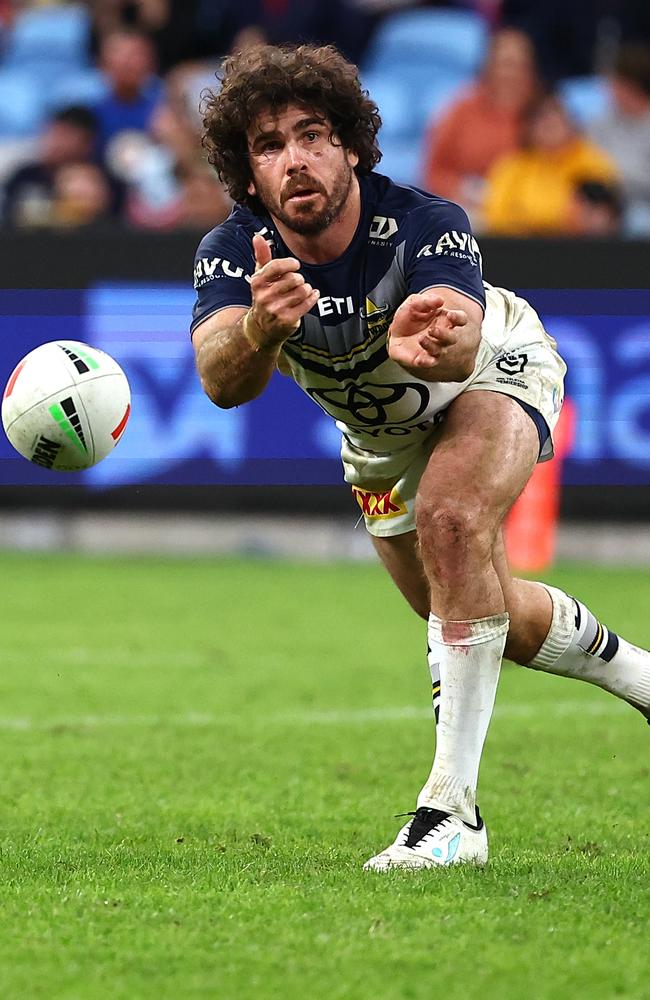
{"x": 374, "y": 405}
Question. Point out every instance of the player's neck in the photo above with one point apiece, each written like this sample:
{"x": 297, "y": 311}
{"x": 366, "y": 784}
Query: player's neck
{"x": 333, "y": 241}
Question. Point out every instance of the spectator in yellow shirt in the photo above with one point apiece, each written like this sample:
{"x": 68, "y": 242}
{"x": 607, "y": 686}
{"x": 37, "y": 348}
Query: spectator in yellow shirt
{"x": 530, "y": 192}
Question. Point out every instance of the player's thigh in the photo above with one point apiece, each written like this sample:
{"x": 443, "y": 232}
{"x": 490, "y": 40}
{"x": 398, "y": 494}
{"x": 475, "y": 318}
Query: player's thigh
{"x": 400, "y": 556}
{"x": 486, "y": 453}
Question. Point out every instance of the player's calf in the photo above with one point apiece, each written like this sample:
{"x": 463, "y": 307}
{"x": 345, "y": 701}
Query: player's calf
{"x": 579, "y": 646}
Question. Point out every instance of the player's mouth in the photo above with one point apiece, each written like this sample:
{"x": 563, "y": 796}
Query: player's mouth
{"x": 302, "y": 193}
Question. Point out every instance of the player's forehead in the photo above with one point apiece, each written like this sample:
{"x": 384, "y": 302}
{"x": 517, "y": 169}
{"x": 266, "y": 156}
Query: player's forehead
{"x": 284, "y": 120}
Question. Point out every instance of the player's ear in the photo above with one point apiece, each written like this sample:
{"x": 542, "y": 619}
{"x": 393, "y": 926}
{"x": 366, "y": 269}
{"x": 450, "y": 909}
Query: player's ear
{"x": 251, "y": 190}
{"x": 353, "y": 159}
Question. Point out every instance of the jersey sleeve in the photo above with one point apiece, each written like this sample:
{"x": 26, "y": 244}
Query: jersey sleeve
{"x": 223, "y": 266}
{"x": 441, "y": 251}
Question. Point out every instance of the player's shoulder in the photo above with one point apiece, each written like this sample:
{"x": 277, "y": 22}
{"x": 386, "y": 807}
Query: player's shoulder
{"x": 410, "y": 206}
{"x": 234, "y": 233}
{"x": 227, "y": 250}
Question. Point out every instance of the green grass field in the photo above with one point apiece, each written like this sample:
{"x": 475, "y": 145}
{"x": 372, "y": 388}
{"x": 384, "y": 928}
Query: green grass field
{"x": 197, "y": 757}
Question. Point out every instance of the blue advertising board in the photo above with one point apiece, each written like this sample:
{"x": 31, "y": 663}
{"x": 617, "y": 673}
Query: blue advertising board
{"x": 176, "y": 436}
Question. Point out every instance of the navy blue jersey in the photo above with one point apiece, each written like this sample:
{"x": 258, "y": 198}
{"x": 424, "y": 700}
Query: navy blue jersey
{"x": 406, "y": 241}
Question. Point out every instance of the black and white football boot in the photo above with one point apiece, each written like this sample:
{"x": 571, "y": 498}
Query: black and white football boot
{"x": 434, "y": 839}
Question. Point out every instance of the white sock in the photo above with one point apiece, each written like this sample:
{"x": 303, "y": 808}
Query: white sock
{"x": 468, "y": 656}
{"x": 434, "y": 670}
{"x": 578, "y": 645}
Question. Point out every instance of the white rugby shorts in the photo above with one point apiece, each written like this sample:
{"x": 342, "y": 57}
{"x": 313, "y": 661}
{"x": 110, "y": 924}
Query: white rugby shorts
{"x": 516, "y": 358}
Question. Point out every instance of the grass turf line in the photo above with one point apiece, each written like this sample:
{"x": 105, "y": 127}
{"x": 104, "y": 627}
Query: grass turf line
{"x": 184, "y": 815}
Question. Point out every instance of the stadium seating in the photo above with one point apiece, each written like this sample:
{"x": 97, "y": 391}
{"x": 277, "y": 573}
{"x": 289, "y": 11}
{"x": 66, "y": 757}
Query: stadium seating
{"x": 81, "y": 86}
{"x": 398, "y": 112}
{"x": 46, "y": 55}
{"x": 417, "y": 62}
{"x": 587, "y": 98}
{"x": 401, "y": 160}
{"x": 21, "y": 104}
{"x": 429, "y": 40}
{"x": 49, "y": 34}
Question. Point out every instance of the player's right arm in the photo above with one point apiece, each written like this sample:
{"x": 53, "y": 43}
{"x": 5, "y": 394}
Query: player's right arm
{"x": 237, "y": 349}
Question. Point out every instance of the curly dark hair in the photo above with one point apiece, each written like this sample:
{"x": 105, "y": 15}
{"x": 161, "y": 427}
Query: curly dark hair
{"x": 269, "y": 76}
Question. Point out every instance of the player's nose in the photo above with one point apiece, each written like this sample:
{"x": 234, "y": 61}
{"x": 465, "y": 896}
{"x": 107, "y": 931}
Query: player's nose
{"x": 294, "y": 158}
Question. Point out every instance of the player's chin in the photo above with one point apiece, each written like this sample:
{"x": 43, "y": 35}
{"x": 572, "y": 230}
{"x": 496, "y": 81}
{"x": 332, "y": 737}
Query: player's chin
{"x": 308, "y": 223}
{"x": 308, "y": 210}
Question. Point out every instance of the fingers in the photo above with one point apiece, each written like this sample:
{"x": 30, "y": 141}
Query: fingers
{"x": 281, "y": 296}
{"x": 416, "y": 312}
{"x": 412, "y": 356}
{"x": 265, "y": 264}
{"x": 262, "y": 251}
{"x": 274, "y": 294}
{"x": 429, "y": 299}
{"x": 298, "y": 307}
{"x": 432, "y": 345}
{"x": 439, "y": 334}
{"x": 281, "y": 319}
{"x": 275, "y": 269}
{"x": 282, "y": 284}
{"x": 457, "y": 317}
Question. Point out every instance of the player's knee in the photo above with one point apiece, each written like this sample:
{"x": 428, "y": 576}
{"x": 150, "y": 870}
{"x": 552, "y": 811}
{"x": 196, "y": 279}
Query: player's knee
{"x": 453, "y": 534}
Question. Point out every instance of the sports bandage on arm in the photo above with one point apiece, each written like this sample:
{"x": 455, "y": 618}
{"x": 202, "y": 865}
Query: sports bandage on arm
{"x": 251, "y": 332}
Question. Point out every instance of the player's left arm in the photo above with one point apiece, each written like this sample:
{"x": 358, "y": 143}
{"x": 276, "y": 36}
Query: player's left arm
{"x": 435, "y": 335}
{"x": 436, "y": 332}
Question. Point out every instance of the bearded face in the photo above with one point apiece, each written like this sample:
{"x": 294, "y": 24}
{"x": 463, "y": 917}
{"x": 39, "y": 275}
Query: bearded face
{"x": 301, "y": 174}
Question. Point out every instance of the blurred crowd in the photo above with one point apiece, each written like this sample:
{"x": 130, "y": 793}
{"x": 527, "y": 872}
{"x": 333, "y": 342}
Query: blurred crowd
{"x": 533, "y": 116}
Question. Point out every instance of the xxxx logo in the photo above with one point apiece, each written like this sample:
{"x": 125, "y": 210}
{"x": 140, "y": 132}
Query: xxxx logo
{"x": 386, "y": 505}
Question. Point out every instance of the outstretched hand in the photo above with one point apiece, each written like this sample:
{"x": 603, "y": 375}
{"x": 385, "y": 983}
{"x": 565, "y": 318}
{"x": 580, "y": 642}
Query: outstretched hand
{"x": 431, "y": 340}
{"x": 281, "y": 296}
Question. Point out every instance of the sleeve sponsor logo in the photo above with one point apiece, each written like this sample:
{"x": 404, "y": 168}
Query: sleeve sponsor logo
{"x": 208, "y": 269}
{"x": 380, "y": 505}
{"x": 454, "y": 244}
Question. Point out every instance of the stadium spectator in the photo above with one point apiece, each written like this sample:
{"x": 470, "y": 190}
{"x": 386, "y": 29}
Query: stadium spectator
{"x": 7, "y": 12}
{"x": 625, "y": 132}
{"x": 165, "y": 169}
{"x": 596, "y": 210}
{"x": 632, "y": 19}
{"x": 340, "y": 22}
{"x": 202, "y": 199}
{"x": 564, "y": 32}
{"x": 69, "y": 137}
{"x": 529, "y": 192}
{"x": 165, "y": 193}
{"x": 483, "y": 124}
{"x": 128, "y": 59}
{"x": 81, "y": 196}
{"x": 171, "y": 25}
